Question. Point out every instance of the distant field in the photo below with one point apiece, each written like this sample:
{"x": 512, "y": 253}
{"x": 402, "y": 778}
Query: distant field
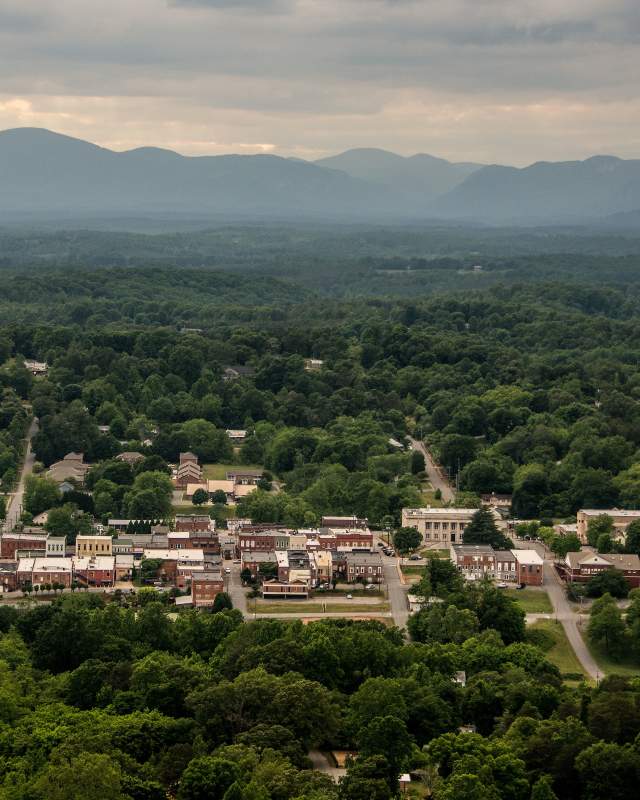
{"x": 531, "y": 601}
{"x": 561, "y": 654}
{"x": 218, "y": 472}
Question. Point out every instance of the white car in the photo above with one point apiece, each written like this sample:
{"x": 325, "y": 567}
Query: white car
{"x": 349, "y": 597}
{"x": 227, "y": 571}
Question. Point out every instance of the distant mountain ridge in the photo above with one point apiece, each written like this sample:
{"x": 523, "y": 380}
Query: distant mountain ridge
{"x": 44, "y": 173}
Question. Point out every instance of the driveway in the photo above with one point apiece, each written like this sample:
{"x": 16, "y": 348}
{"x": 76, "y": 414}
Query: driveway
{"x": 436, "y": 475}
{"x": 14, "y": 509}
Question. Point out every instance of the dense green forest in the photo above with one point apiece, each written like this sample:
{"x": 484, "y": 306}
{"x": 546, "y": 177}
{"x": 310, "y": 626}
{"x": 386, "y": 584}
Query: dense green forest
{"x": 209, "y": 707}
{"x": 523, "y": 378}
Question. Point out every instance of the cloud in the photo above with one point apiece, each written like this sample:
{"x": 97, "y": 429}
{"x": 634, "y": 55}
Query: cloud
{"x": 498, "y": 80}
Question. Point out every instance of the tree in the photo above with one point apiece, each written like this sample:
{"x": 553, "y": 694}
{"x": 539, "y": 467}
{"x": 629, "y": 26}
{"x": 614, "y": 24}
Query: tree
{"x": 406, "y": 539}
{"x": 222, "y": 602}
{"x": 599, "y": 781}
{"x": 632, "y": 539}
{"x": 482, "y": 529}
{"x": 3, "y": 508}
{"x": 606, "y": 627}
{"x": 561, "y": 545}
{"x": 67, "y": 521}
{"x": 387, "y": 736}
{"x": 219, "y": 496}
{"x": 542, "y": 789}
{"x": 207, "y": 778}
{"x": 40, "y": 494}
{"x": 417, "y": 462}
{"x": 200, "y": 496}
{"x": 85, "y": 777}
{"x": 149, "y": 496}
{"x": 603, "y": 523}
{"x": 149, "y": 568}
{"x": 367, "y": 779}
{"x": 608, "y": 581}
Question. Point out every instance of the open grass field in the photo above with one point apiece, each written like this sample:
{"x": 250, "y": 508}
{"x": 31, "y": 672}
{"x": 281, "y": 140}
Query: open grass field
{"x": 218, "y": 472}
{"x": 607, "y": 665}
{"x": 318, "y": 608}
{"x": 531, "y": 601}
{"x": 561, "y": 653}
{"x": 412, "y": 569}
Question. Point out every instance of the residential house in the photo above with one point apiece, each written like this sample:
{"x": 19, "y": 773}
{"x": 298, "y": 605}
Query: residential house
{"x": 188, "y": 471}
{"x": 493, "y": 500}
{"x": 88, "y": 545}
{"x": 236, "y": 436}
{"x": 364, "y": 566}
{"x": 622, "y": 518}
{"x": 237, "y": 371}
{"x": 581, "y": 567}
{"x": 130, "y": 457}
{"x": 313, "y": 364}
{"x": 71, "y": 468}
{"x": 36, "y": 367}
{"x": 248, "y": 477}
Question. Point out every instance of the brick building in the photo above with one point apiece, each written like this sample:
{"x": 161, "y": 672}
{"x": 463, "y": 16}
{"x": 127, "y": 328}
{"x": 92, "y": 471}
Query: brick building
{"x": 205, "y": 587}
{"x": 581, "y": 567}
{"x": 95, "y": 570}
{"x": 12, "y": 542}
{"x": 44, "y": 570}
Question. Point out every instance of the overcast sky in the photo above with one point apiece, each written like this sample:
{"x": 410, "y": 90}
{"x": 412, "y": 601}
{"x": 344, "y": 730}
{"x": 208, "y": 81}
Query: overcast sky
{"x": 510, "y": 81}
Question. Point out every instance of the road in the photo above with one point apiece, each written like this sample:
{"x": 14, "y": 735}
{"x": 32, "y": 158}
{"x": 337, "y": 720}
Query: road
{"x": 236, "y": 590}
{"x": 15, "y": 505}
{"x": 321, "y": 764}
{"x": 437, "y": 478}
{"x": 397, "y": 595}
{"x": 563, "y": 612}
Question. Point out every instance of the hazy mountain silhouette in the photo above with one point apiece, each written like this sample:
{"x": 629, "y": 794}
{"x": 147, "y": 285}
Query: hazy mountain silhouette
{"x": 44, "y": 173}
{"x": 420, "y": 175}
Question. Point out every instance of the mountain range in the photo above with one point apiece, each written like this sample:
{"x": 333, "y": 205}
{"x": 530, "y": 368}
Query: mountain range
{"x": 47, "y": 174}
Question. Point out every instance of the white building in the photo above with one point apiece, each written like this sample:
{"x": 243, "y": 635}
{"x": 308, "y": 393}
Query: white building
{"x": 441, "y": 527}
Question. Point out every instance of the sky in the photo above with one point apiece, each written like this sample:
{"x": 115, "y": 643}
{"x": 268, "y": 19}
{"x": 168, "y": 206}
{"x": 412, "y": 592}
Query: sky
{"x": 494, "y": 81}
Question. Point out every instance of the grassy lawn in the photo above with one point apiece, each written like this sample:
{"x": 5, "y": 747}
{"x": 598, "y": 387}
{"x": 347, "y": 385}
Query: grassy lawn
{"x": 412, "y": 569}
{"x": 530, "y": 600}
{"x": 218, "y": 472}
{"x": 189, "y": 509}
{"x": 561, "y": 653}
{"x": 607, "y": 665}
{"x": 332, "y": 593}
{"x": 317, "y": 608}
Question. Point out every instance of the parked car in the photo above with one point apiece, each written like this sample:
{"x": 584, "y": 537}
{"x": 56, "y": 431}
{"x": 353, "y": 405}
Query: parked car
{"x": 502, "y": 585}
{"x": 380, "y": 544}
{"x": 349, "y": 597}
{"x": 521, "y": 586}
{"x": 371, "y": 586}
{"x": 415, "y": 557}
{"x": 227, "y": 570}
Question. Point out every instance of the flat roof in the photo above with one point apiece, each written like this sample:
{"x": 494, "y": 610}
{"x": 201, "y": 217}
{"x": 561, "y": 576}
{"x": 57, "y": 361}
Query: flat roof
{"x": 528, "y": 557}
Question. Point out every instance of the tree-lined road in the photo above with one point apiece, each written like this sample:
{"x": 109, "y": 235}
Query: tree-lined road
{"x": 436, "y": 476}
{"x": 14, "y": 508}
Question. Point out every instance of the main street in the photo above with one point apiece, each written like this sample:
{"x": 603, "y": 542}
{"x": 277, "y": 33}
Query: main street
{"x": 434, "y": 471}
{"x": 14, "y": 508}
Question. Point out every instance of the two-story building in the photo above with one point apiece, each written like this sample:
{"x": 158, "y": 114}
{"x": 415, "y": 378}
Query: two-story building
{"x": 621, "y": 518}
{"x": 442, "y": 527}
{"x": 365, "y": 567}
{"x": 88, "y": 545}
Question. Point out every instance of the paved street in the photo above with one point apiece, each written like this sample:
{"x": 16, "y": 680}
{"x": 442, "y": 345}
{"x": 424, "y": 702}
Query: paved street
{"x": 397, "y": 592}
{"x": 433, "y": 470}
{"x": 15, "y": 505}
{"x": 236, "y": 590}
{"x": 562, "y": 610}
